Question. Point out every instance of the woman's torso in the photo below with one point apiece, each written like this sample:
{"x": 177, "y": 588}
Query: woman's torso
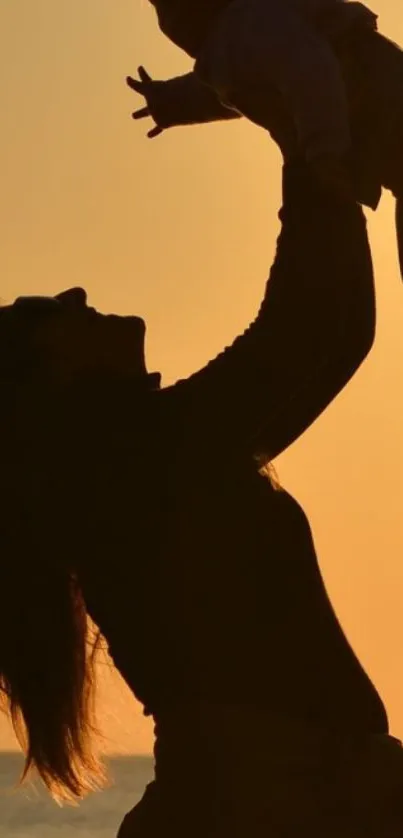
{"x": 218, "y": 619}
{"x": 209, "y": 590}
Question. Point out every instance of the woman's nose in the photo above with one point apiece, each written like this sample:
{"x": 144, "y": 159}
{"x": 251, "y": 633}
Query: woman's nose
{"x": 73, "y": 297}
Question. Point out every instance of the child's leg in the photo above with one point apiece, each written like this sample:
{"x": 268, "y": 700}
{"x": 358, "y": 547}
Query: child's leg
{"x": 399, "y": 231}
{"x": 258, "y": 43}
{"x": 373, "y": 71}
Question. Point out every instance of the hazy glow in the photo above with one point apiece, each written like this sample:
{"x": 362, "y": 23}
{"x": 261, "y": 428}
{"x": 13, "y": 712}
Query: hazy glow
{"x": 182, "y": 231}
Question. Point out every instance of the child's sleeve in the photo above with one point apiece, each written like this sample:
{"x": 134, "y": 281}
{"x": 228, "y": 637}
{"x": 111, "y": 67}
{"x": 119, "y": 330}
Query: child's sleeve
{"x": 314, "y": 328}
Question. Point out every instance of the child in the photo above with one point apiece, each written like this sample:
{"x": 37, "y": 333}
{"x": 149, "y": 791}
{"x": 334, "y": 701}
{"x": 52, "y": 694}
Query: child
{"x": 342, "y": 82}
{"x": 251, "y": 43}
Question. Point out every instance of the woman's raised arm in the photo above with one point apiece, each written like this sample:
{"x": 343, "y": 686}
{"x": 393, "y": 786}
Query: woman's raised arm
{"x": 314, "y": 328}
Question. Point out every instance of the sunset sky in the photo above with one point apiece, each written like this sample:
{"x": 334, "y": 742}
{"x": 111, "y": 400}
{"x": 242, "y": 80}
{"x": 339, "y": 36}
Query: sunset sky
{"x": 182, "y": 230}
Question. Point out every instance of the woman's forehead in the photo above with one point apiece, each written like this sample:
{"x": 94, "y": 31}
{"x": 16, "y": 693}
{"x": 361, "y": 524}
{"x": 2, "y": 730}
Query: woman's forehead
{"x": 37, "y": 302}
{"x": 75, "y": 294}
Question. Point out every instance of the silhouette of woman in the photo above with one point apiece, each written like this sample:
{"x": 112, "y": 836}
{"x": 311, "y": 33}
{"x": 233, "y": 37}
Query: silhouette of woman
{"x": 144, "y": 508}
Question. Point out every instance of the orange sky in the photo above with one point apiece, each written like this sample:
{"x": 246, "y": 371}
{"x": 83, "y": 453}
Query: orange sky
{"x": 181, "y": 230}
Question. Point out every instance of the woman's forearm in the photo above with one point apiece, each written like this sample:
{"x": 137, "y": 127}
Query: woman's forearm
{"x": 320, "y": 303}
{"x": 315, "y": 327}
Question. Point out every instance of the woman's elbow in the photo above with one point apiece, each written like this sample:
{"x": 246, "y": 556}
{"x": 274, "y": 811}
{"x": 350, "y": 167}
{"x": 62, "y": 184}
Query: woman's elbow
{"x": 360, "y": 331}
{"x": 356, "y": 291}
{"x": 369, "y": 332}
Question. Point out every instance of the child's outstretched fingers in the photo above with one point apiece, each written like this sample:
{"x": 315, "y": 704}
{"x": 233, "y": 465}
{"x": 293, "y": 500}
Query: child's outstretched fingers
{"x": 145, "y": 86}
{"x": 154, "y": 132}
{"x": 141, "y": 84}
{"x": 143, "y": 75}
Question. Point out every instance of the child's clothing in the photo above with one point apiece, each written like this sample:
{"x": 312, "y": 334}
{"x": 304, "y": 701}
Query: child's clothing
{"x": 249, "y": 44}
{"x": 370, "y": 66}
{"x": 189, "y": 22}
{"x": 258, "y": 43}
{"x": 372, "y": 69}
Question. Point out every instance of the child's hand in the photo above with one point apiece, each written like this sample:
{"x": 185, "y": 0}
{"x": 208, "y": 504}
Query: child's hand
{"x": 183, "y": 100}
{"x": 152, "y": 92}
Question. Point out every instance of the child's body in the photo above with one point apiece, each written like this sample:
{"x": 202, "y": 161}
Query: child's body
{"x": 368, "y": 65}
{"x": 252, "y": 44}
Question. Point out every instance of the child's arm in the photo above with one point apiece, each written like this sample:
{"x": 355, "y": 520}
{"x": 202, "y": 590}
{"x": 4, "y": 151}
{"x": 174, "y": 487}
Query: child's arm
{"x": 184, "y": 100}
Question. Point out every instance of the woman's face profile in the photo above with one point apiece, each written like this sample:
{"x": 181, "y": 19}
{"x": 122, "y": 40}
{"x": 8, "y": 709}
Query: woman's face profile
{"x": 76, "y": 338}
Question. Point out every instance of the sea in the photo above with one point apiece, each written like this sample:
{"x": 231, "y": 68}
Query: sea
{"x": 27, "y": 812}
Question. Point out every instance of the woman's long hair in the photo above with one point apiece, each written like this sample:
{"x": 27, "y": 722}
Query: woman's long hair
{"x": 46, "y": 657}
{"x": 47, "y": 674}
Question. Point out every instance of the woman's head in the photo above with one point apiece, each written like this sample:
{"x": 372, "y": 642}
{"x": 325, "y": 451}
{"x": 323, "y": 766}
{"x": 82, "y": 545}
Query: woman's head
{"x": 46, "y": 665}
{"x": 66, "y": 337}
